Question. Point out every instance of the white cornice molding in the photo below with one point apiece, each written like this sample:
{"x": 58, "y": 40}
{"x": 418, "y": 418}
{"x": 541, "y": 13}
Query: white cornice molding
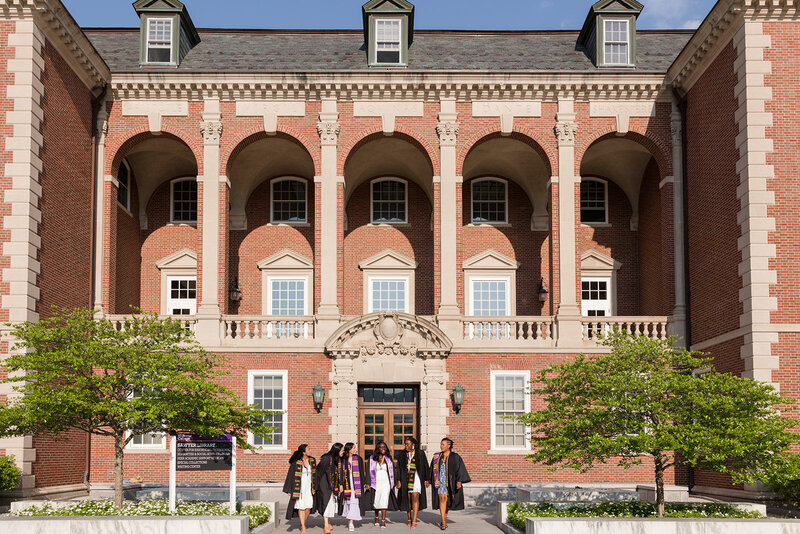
{"x": 406, "y": 86}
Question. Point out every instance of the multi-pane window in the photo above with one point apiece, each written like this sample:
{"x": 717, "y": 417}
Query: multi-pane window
{"x": 268, "y": 392}
{"x": 159, "y": 40}
{"x": 488, "y": 201}
{"x": 596, "y": 297}
{"x": 594, "y": 201}
{"x": 287, "y": 297}
{"x": 149, "y": 441}
{"x": 490, "y": 298}
{"x": 509, "y": 398}
{"x": 124, "y": 187}
{"x": 388, "y": 201}
{"x": 182, "y": 295}
{"x": 289, "y": 201}
{"x": 184, "y": 200}
{"x": 388, "y": 295}
{"x": 616, "y": 48}
{"x": 387, "y": 41}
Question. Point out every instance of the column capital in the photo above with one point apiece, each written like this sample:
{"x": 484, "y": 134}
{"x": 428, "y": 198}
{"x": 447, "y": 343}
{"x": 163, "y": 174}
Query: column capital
{"x": 211, "y": 131}
{"x": 565, "y": 133}
{"x": 448, "y": 133}
{"x": 329, "y": 132}
{"x": 676, "y": 130}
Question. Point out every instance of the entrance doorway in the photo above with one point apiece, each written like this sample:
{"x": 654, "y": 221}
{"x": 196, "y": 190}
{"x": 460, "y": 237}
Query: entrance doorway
{"x": 387, "y": 413}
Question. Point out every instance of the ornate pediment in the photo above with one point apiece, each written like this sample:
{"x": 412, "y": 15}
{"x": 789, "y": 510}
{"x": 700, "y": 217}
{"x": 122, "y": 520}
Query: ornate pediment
{"x": 491, "y": 259}
{"x": 285, "y": 259}
{"x": 388, "y": 335}
{"x": 183, "y": 259}
{"x": 388, "y": 259}
{"x": 593, "y": 260}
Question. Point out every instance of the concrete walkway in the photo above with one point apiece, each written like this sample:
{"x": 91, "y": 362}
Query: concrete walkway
{"x": 474, "y": 520}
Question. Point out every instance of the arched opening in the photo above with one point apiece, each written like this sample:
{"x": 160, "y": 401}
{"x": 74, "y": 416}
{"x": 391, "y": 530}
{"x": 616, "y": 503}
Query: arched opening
{"x": 505, "y": 209}
{"x": 272, "y": 217}
{"x": 388, "y": 234}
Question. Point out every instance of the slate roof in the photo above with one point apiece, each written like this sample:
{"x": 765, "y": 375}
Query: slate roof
{"x": 253, "y": 51}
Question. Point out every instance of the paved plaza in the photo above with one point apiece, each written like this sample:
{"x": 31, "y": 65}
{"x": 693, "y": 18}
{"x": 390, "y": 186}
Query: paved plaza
{"x": 474, "y": 520}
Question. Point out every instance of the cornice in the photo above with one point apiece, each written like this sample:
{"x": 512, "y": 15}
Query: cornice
{"x": 426, "y": 86}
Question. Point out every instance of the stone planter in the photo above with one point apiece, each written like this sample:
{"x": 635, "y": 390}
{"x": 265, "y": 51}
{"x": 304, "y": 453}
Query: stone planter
{"x": 128, "y": 525}
{"x": 660, "y": 526}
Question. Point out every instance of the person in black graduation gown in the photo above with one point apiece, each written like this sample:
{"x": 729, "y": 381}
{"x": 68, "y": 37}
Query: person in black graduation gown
{"x": 449, "y": 474}
{"x": 412, "y": 473}
{"x": 300, "y": 485}
{"x": 329, "y": 485}
{"x": 353, "y": 502}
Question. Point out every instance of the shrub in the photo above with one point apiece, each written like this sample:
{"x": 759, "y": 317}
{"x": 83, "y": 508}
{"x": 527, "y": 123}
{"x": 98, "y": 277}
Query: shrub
{"x": 9, "y": 473}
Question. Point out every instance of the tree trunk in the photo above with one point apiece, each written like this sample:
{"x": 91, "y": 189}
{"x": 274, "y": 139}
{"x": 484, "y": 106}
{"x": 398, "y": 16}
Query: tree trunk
{"x": 659, "y": 461}
{"x": 119, "y": 455}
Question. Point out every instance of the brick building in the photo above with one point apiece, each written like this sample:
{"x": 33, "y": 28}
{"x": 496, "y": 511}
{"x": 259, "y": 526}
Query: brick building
{"x": 390, "y": 212}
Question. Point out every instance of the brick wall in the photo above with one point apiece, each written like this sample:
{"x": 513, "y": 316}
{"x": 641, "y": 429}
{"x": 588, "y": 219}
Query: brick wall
{"x": 653, "y": 292}
{"x": 128, "y": 254}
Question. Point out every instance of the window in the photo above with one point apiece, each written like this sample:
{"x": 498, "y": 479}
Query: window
{"x": 146, "y": 441}
{"x": 159, "y": 40}
{"x": 182, "y": 297}
{"x": 288, "y": 201}
{"x": 388, "y": 295}
{"x": 489, "y": 299}
{"x": 124, "y": 185}
{"x": 287, "y": 297}
{"x": 184, "y": 200}
{"x": 489, "y": 200}
{"x": 509, "y": 397}
{"x": 387, "y": 41}
{"x": 267, "y": 390}
{"x": 616, "y": 48}
{"x": 594, "y": 204}
{"x": 596, "y": 297}
{"x": 388, "y": 201}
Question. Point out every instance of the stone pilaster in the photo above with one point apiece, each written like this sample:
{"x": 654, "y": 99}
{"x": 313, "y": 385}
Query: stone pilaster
{"x": 678, "y": 319}
{"x": 99, "y": 209}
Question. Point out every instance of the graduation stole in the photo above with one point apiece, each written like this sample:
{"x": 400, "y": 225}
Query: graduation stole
{"x": 336, "y": 476}
{"x": 298, "y": 476}
{"x": 438, "y": 457}
{"x": 356, "y": 479}
{"x": 412, "y": 470}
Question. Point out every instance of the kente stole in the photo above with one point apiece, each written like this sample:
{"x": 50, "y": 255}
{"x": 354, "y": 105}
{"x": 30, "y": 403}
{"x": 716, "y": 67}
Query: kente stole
{"x": 336, "y": 476}
{"x": 356, "y": 478}
{"x": 436, "y": 459}
{"x": 298, "y": 476}
{"x": 412, "y": 470}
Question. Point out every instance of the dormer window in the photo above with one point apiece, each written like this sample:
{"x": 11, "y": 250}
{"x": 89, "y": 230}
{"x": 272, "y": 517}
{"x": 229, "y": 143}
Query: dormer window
{"x": 616, "y": 48}
{"x": 387, "y": 44}
{"x": 159, "y": 40}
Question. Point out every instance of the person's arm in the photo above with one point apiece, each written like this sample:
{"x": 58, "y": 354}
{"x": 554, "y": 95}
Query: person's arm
{"x": 462, "y": 477}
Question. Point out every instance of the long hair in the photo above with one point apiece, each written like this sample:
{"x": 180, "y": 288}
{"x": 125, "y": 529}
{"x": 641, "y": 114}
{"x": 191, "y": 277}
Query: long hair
{"x": 378, "y": 448}
{"x": 336, "y": 448}
{"x": 298, "y": 454}
{"x": 347, "y": 448}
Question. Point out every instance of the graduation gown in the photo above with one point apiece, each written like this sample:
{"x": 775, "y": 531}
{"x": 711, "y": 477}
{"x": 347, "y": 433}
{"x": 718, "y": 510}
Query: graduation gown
{"x": 456, "y": 472}
{"x": 324, "y": 482}
{"x": 373, "y": 482}
{"x": 289, "y": 486}
{"x": 363, "y": 501}
{"x": 423, "y": 472}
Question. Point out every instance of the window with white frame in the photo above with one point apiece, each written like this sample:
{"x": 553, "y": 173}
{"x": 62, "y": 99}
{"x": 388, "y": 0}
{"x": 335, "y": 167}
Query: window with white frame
{"x": 268, "y": 390}
{"x": 388, "y": 294}
{"x": 289, "y": 201}
{"x": 616, "y": 46}
{"x": 184, "y": 200}
{"x": 181, "y": 295}
{"x": 387, "y": 41}
{"x": 389, "y": 201}
{"x": 489, "y": 298}
{"x": 159, "y": 40}
{"x": 288, "y": 296}
{"x": 489, "y": 201}
{"x": 124, "y": 185}
{"x": 596, "y": 296}
{"x": 594, "y": 201}
{"x": 146, "y": 441}
{"x": 510, "y": 397}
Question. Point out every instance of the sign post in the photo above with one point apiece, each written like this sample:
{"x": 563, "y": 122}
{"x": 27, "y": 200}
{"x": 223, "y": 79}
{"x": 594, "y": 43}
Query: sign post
{"x": 233, "y": 476}
{"x": 172, "y": 475}
{"x": 190, "y": 452}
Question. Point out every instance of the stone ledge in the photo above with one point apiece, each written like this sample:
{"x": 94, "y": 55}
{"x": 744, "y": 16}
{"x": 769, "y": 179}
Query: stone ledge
{"x": 129, "y": 525}
{"x": 594, "y": 525}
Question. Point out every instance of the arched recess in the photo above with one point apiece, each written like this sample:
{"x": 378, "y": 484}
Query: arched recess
{"x": 522, "y": 165}
{"x": 401, "y": 159}
{"x": 256, "y": 165}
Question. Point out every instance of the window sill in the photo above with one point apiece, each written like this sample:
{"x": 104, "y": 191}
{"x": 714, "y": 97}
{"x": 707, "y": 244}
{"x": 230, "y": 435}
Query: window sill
{"x": 269, "y": 451}
{"x": 390, "y": 224}
{"x": 290, "y": 223}
{"x": 509, "y": 452}
{"x": 597, "y": 225}
{"x": 145, "y": 450}
{"x": 180, "y": 223}
{"x": 490, "y": 225}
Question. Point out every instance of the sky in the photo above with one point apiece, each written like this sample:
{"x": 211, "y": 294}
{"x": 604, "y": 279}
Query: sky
{"x": 430, "y": 14}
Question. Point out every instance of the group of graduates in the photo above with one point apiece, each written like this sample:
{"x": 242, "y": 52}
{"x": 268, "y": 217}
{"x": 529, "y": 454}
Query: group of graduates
{"x": 343, "y": 484}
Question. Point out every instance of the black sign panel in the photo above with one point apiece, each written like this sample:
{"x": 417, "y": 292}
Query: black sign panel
{"x": 195, "y": 453}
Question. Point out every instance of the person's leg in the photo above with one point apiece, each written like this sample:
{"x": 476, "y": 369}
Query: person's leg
{"x": 443, "y": 509}
{"x": 415, "y": 508}
{"x": 303, "y": 518}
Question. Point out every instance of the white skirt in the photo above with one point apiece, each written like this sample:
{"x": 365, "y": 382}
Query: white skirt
{"x": 306, "y": 500}
{"x": 417, "y": 485}
{"x": 330, "y": 510}
{"x": 383, "y": 488}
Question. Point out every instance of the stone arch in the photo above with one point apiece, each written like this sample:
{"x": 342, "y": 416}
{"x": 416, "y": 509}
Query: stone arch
{"x": 139, "y": 135}
{"x": 657, "y": 147}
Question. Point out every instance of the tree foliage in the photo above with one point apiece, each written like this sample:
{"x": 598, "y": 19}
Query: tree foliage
{"x": 645, "y": 401}
{"x": 73, "y": 371}
{"x": 9, "y": 473}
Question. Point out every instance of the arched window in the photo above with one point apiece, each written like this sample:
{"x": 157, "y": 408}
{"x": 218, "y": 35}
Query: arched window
{"x": 489, "y": 201}
{"x": 389, "y": 201}
{"x": 289, "y": 201}
{"x": 594, "y": 201}
{"x": 184, "y": 200}
{"x": 124, "y": 185}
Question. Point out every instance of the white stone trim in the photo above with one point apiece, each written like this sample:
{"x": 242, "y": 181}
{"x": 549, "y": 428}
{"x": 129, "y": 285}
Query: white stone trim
{"x": 756, "y": 198}
{"x": 327, "y": 206}
{"x": 155, "y": 110}
{"x": 388, "y": 112}
{"x": 493, "y": 374}
{"x": 506, "y": 111}
{"x": 491, "y": 265}
{"x": 181, "y": 263}
{"x": 622, "y": 111}
{"x": 284, "y": 374}
{"x": 286, "y": 265}
{"x": 270, "y": 111}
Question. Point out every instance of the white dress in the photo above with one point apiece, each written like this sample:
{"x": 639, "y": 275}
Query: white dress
{"x": 383, "y": 486}
{"x": 417, "y": 484}
{"x": 306, "y": 500}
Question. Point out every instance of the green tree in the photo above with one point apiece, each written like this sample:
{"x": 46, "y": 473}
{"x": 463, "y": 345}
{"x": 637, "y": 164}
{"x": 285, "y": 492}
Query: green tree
{"x": 9, "y": 473}
{"x": 73, "y": 371}
{"x": 645, "y": 399}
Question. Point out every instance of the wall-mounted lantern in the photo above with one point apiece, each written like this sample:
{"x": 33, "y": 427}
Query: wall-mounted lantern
{"x": 458, "y": 397}
{"x": 234, "y": 292}
{"x": 319, "y": 397}
{"x": 542, "y": 292}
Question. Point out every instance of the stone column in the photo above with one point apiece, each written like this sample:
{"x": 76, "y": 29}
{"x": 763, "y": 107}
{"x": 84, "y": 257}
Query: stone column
{"x": 344, "y": 400}
{"x": 447, "y": 129}
{"x": 328, "y": 128}
{"x": 99, "y": 209}
{"x": 433, "y": 405}
{"x": 568, "y": 316}
{"x": 208, "y": 312}
{"x": 678, "y": 319}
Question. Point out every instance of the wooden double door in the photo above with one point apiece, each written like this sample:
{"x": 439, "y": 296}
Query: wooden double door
{"x": 387, "y": 413}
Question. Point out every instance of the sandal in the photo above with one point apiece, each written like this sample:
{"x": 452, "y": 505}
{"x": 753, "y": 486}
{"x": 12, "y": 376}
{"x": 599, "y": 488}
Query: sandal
{"x": 377, "y": 522}
{"x": 442, "y": 526}
{"x": 383, "y": 524}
